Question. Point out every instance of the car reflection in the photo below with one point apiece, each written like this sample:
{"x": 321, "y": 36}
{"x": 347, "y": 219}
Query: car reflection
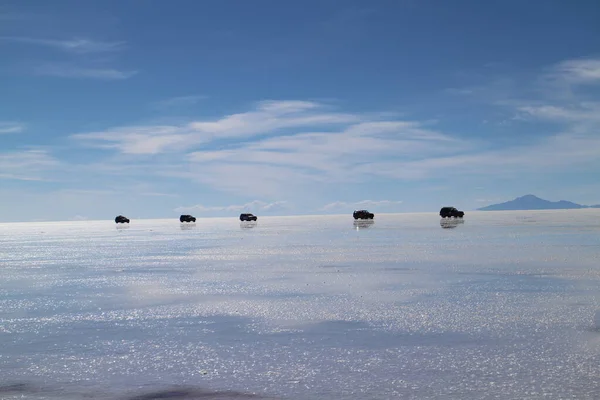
{"x": 186, "y": 226}
{"x": 248, "y": 224}
{"x": 363, "y": 223}
{"x": 451, "y": 223}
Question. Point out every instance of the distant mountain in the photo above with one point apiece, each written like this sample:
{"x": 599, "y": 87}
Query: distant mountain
{"x": 531, "y": 202}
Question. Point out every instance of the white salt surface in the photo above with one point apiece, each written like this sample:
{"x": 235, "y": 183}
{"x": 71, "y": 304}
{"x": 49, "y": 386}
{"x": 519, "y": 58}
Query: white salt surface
{"x": 503, "y": 306}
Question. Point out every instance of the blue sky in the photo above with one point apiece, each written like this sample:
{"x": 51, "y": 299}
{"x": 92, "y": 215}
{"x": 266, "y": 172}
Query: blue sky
{"x": 152, "y": 109}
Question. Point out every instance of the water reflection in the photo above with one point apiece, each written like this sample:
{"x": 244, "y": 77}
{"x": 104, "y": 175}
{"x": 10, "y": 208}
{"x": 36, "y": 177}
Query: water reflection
{"x": 186, "y": 226}
{"x": 363, "y": 223}
{"x": 122, "y": 226}
{"x": 451, "y": 223}
{"x": 248, "y": 224}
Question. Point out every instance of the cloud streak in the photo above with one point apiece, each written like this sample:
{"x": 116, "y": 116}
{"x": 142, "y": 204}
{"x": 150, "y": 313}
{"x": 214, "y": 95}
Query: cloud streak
{"x": 287, "y": 146}
{"x": 266, "y": 118}
{"x": 29, "y": 165}
{"x": 579, "y": 71}
{"x": 11, "y": 127}
{"x": 300, "y": 148}
{"x": 72, "y": 71}
{"x": 76, "y": 45}
{"x": 83, "y": 63}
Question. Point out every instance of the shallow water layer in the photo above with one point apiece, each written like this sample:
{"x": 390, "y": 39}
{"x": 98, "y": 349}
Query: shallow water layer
{"x": 501, "y": 305}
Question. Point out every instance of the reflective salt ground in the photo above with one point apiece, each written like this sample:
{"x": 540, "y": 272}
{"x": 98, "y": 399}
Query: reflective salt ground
{"x": 505, "y": 305}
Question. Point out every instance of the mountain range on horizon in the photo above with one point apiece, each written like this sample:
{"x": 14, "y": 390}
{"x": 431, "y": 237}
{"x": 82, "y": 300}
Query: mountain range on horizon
{"x": 532, "y": 202}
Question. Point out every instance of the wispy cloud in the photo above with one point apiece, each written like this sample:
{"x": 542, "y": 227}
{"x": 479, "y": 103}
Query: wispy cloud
{"x": 579, "y": 71}
{"x": 83, "y": 62}
{"x": 266, "y": 118}
{"x": 337, "y": 148}
{"x": 270, "y": 116}
{"x": 575, "y": 113}
{"x": 253, "y": 206}
{"x": 29, "y": 165}
{"x": 72, "y": 71}
{"x": 295, "y": 147}
{"x": 553, "y": 153}
{"x": 341, "y": 205}
{"x": 11, "y": 127}
{"x": 151, "y": 139}
{"x": 180, "y": 101}
{"x": 300, "y": 159}
{"x": 76, "y": 45}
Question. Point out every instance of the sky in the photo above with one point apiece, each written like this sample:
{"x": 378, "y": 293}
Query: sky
{"x": 152, "y": 109}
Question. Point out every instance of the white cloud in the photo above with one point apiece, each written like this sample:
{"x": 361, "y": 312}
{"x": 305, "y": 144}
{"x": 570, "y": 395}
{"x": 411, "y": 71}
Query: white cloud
{"x": 11, "y": 127}
{"x": 138, "y": 140}
{"x": 268, "y": 117}
{"x": 75, "y": 45}
{"x": 554, "y": 153}
{"x": 299, "y": 147}
{"x": 351, "y": 152}
{"x": 71, "y": 71}
{"x": 579, "y": 71}
{"x": 29, "y": 165}
{"x": 290, "y": 163}
{"x": 578, "y": 112}
{"x": 253, "y": 206}
{"x": 341, "y": 205}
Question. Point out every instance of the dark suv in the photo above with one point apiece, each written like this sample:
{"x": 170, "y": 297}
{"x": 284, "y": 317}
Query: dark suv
{"x": 363, "y": 214}
{"x": 187, "y": 218}
{"x": 451, "y": 212}
{"x": 248, "y": 217}
{"x": 121, "y": 219}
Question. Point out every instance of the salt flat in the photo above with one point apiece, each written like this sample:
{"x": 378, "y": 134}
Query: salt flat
{"x": 505, "y": 305}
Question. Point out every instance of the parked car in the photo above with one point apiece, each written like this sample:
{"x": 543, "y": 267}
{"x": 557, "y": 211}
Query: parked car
{"x": 451, "y": 212}
{"x": 248, "y": 217}
{"x": 363, "y": 214}
{"x": 187, "y": 218}
{"x": 121, "y": 219}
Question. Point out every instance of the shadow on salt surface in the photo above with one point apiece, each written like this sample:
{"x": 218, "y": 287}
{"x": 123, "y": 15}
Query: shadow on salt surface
{"x": 27, "y": 390}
